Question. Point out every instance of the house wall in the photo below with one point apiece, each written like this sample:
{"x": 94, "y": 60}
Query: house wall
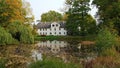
{"x": 54, "y": 30}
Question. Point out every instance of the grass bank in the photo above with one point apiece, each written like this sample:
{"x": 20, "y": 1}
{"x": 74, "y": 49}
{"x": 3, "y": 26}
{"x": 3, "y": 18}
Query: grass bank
{"x": 53, "y": 63}
{"x": 67, "y": 38}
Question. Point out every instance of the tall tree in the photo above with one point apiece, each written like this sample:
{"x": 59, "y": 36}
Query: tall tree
{"x": 11, "y": 10}
{"x": 108, "y": 13}
{"x": 51, "y": 16}
{"x": 28, "y": 12}
{"x": 78, "y": 17}
{"x": 65, "y": 17}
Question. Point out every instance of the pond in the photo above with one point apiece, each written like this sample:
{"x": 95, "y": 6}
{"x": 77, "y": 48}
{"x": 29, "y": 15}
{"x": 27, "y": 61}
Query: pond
{"x": 72, "y": 51}
{"x": 69, "y": 51}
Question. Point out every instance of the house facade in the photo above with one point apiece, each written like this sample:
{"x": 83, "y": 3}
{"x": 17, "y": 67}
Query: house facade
{"x": 52, "y": 29}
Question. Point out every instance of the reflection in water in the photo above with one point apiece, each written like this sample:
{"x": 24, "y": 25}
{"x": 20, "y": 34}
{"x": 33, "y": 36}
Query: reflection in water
{"x": 67, "y": 51}
{"x": 54, "y": 46}
{"x": 36, "y": 55}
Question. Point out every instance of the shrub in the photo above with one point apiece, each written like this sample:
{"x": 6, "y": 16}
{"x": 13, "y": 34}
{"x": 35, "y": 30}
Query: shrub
{"x": 105, "y": 40}
{"x": 106, "y": 62}
{"x": 110, "y": 52}
{"x": 2, "y": 63}
{"x": 6, "y": 38}
{"x": 52, "y": 63}
{"x": 21, "y": 32}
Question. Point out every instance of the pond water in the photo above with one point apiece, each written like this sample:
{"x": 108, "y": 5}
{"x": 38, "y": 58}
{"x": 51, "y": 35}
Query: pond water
{"x": 67, "y": 51}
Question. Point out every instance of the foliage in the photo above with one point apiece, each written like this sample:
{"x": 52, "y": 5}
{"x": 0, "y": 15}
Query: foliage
{"x": 2, "y": 63}
{"x": 5, "y": 37}
{"x": 108, "y": 13}
{"x": 28, "y": 12}
{"x": 79, "y": 22}
{"x": 21, "y": 32}
{"x": 66, "y": 38}
{"x": 110, "y": 52}
{"x": 11, "y": 10}
{"x": 105, "y": 40}
{"x": 65, "y": 17}
{"x": 52, "y": 63}
{"x": 51, "y": 16}
{"x": 106, "y": 62}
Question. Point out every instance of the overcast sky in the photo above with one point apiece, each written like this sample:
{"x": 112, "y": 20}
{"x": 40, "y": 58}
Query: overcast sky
{"x": 42, "y": 6}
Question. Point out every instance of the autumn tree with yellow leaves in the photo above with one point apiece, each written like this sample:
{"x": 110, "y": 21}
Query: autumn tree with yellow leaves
{"x": 15, "y": 17}
{"x": 11, "y": 10}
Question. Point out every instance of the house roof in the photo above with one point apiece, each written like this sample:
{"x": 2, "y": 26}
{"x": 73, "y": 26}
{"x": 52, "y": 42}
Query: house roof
{"x": 43, "y": 25}
{"x": 62, "y": 24}
{"x": 48, "y": 25}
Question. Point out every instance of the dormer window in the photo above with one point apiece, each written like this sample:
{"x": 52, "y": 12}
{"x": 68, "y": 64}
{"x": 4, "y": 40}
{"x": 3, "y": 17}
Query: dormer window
{"x": 53, "y": 25}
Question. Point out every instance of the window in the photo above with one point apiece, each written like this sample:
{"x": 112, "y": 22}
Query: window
{"x": 59, "y": 28}
{"x": 55, "y": 29}
{"x": 56, "y": 24}
{"x": 64, "y": 32}
{"x": 50, "y": 33}
{"x": 55, "y": 32}
{"x": 59, "y": 32}
{"x": 53, "y": 25}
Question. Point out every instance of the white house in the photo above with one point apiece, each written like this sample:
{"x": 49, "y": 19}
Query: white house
{"x": 52, "y": 29}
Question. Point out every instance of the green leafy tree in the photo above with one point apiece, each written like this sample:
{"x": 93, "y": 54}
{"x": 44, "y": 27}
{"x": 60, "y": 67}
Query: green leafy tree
{"x": 65, "y": 17}
{"x": 51, "y": 16}
{"x": 108, "y": 13}
{"x": 78, "y": 17}
{"x": 6, "y": 37}
{"x": 21, "y": 32}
